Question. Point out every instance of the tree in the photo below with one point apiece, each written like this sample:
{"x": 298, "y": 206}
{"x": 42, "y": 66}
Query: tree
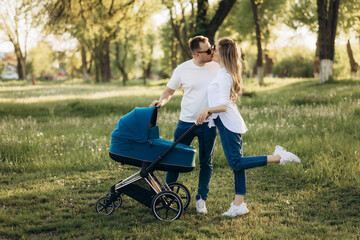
{"x": 207, "y": 27}
{"x": 349, "y": 23}
{"x": 121, "y": 52}
{"x": 188, "y": 26}
{"x": 42, "y": 59}
{"x": 182, "y": 26}
{"x": 17, "y": 21}
{"x": 354, "y": 66}
{"x": 327, "y": 18}
{"x": 146, "y": 38}
{"x": 147, "y": 49}
{"x": 327, "y": 14}
{"x": 94, "y": 23}
{"x": 259, "y": 61}
{"x": 304, "y": 13}
{"x": 242, "y": 27}
{"x": 86, "y": 63}
{"x": 169, "y": 47}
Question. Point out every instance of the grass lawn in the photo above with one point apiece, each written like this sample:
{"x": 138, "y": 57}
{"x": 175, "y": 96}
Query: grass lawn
{"x": 54, "y": 163}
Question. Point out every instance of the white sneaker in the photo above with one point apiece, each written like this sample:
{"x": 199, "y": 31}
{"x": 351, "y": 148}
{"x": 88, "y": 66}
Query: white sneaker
{"x": 201, "y": 206}
{"x": 286, "y": 156}
{"x": 236, "y": 210}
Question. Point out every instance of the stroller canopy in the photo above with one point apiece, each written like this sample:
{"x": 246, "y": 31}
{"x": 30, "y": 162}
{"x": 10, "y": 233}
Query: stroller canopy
{"x": 135, "y": 125}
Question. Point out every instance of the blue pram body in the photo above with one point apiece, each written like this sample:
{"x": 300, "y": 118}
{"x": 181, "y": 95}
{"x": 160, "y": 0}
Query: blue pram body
{"x": 135, "y": 141}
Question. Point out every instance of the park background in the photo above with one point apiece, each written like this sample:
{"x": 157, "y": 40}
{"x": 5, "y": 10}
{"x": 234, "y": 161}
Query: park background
{"x": 71, "y": 69}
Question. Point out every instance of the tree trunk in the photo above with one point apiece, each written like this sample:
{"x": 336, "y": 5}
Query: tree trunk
{"x": 121, "y": 64}
{"x": 86, "y": 77}
{"x": 144, "y": 78}
{"x": 202, "y": 17}
{"x": 220, "y": 15}
{"x": 207, "y": 27}
{"x": 179, "y": 35}
{"x": 106, "y": 70}
{"x": 124, "y": 75}
{"x": 260, "y": 74}
{"x": 259, "y": 60}
{"x": 317, "y": 60}
{"x": 97, "y": 61}
{"x": 173, "y": 53}
{"x": 102, "y": 53}
{"x": 243, "y": 66}
{"x": 203, "y": 25}
{"x": 269, "y": 63}
{"x": 184, "y": 34}
{"x": 21, "y": 62}
{"x": 327, "y": 18}
{"x": 142, "y": 58}
{"x": 148, "y": 71}
{"x": 326, "y": 70}
{"x": 192, "y": 17}
{"x": 353, "y": 64}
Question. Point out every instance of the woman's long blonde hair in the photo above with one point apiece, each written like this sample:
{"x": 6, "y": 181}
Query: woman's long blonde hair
{"x": 230, "y": 56}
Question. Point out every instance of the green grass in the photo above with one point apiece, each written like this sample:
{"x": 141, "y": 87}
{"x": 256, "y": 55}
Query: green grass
{"x": 54, "y": 163}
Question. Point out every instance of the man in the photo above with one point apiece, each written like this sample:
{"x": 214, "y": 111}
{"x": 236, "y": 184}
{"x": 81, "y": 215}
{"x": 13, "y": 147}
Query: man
{"x": 193, "y": 76}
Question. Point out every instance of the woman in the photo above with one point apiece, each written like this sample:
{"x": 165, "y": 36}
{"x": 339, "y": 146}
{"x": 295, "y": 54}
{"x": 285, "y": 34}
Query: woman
{"x": 222, "y": 94}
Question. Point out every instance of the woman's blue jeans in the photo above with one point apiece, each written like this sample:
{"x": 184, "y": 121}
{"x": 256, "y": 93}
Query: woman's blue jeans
{"x": 232, "y": 146}
{"x": 206, "y": 137}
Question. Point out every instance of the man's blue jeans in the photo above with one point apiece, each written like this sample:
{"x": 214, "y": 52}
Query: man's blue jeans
{"x": 232, "y": 146}
{"x": 206, "y": 137}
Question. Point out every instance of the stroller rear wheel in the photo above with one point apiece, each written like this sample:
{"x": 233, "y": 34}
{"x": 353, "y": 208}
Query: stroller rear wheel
{"x": 105, "y": 206}
{"x": 182, "y": 191}
{"x": 167, "y": 206}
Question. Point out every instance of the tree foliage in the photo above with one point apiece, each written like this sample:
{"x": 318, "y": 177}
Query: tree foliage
{"x": 42, "y": 58}
{"x": 94, "y": 24}
{"x": 240, "y": 22}
{"x": 118, "y": 39}
{"x": 302, "y": 13}
{"x": 17, "y": 21}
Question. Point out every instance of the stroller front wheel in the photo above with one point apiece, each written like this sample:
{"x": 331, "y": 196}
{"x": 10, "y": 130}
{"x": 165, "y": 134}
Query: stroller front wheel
{"x": 167, "y": 206}
{"x": 117, "y": 201}
{"x": 105, "y": 206}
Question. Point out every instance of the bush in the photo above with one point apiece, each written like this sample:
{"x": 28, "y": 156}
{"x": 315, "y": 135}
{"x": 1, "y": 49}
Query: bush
{"x": 296, "y": 66}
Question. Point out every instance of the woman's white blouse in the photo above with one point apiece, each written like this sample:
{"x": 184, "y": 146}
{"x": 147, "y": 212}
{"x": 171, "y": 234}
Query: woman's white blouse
{"x": 219, "y": 94}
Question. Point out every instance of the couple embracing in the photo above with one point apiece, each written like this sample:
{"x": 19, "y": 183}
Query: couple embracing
{"x": 211, "y": 83}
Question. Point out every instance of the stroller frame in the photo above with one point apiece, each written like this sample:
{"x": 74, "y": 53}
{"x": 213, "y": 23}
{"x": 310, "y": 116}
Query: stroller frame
{"x": 167, "y": 200}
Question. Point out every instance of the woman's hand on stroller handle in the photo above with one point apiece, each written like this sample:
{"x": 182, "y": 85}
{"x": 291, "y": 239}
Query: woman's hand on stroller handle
{"x": 203, "y": 115}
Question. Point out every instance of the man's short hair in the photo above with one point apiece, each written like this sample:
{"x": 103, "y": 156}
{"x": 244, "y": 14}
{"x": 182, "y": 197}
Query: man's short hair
{"x": 194, "y": 42}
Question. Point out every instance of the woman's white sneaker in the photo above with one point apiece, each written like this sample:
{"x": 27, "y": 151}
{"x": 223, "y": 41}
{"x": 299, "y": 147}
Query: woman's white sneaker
{"x": 286, "y": 156}
{"x": 236, "y": 210}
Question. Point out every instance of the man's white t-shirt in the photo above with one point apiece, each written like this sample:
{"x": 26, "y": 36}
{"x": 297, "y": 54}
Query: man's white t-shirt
{"x": 194, "y": 80}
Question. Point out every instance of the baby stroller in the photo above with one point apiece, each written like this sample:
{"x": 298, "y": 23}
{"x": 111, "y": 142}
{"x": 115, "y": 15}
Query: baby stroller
{"x": 135, "y": 141}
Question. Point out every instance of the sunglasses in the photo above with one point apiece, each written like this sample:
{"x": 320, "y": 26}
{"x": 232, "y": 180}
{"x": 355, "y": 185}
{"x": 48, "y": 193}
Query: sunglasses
{"x": 208, "y": 52}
